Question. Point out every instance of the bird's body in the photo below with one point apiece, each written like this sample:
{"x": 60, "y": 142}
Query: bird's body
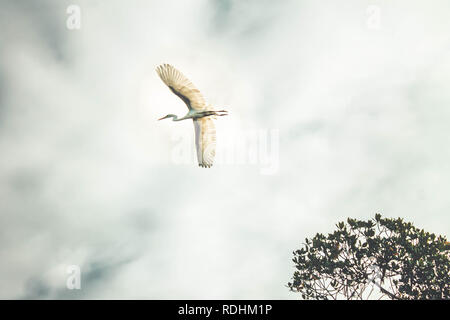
{"x": 199, "y": 111}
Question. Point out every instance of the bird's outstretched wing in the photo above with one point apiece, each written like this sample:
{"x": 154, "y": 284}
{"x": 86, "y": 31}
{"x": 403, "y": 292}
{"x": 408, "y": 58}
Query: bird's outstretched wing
{"x": 181, "y": 86}
{"x": 205, "y": 141}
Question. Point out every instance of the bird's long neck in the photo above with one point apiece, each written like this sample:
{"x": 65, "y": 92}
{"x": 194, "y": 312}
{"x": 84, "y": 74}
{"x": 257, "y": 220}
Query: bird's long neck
{"x": 175, "y": 118}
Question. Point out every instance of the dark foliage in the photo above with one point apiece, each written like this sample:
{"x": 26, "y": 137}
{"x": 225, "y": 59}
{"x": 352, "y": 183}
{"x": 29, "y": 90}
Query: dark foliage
{"x": 378, "y": 258}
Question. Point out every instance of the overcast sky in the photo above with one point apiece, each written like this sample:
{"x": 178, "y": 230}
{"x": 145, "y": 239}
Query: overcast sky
{"x": 353, "y": 97}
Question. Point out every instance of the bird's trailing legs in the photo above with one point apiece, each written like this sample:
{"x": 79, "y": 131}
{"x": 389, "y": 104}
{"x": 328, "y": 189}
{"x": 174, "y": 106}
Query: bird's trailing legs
{"x": 207, "y": 113}
{"x": 222, "y": 113}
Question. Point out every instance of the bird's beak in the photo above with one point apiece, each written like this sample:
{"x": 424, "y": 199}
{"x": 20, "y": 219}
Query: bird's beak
{"x": 162, "y": 118}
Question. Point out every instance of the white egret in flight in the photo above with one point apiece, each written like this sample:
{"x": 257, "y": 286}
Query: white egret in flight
{"x": 199, "y": 111}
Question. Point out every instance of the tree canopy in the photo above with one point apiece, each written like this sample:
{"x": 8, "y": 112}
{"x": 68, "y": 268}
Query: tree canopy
{"x": 378, "y": 258}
